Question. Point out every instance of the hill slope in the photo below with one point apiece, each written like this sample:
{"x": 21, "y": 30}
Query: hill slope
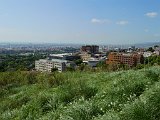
{"x": 124, "y": 95}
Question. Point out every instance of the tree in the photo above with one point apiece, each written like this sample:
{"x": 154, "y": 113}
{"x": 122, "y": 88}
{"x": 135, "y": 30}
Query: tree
{"x": 54, "y": 69}
{"x": 82, "y": 67}
{"x": 70, "y": 69}
{"x": 139, "y": 66}
{"x": 78, "y": 62}
{"x": 150, "y": 49}
{"x": 156, "y": 46}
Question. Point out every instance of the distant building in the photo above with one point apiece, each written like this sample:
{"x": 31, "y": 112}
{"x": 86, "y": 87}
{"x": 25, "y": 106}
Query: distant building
{"x": 59, "y": 64}
{"x": 141, "y": 50}
{"x": 26, "y": 54}
{"x": 46, "y": 65}
{"x": 92, "y": 62}
{"x": 85, "y": 56}
{"x": 90, "y": 49}
{"x": 131, "y": 49}
{"x": 157, "y": 50}
{"x": 130, "y": 59}
{"x": 147, "y": 54}
{"x": 43, "y": 65}
{"x": 64, "y": 56}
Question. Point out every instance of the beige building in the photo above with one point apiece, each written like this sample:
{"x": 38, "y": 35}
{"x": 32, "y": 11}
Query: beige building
{"x": 85, "y": 56}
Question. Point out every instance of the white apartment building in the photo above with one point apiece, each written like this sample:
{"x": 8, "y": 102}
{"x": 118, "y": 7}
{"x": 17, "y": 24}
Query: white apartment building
{"x": 45, "y": 65}
{"x": 59, "y": 64}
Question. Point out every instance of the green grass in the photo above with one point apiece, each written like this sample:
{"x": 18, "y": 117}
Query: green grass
{"x": 123, "y": 95}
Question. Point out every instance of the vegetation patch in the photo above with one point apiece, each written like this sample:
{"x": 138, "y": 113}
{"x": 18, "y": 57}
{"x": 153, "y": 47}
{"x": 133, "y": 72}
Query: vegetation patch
{"x": 121, "y": 95}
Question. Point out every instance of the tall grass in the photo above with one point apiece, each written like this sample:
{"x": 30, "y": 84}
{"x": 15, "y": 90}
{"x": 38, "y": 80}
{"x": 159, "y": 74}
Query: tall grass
{"x": 122, "y": 95}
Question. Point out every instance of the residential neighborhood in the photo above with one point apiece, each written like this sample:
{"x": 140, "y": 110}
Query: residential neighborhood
{"x": 91, "y": 55}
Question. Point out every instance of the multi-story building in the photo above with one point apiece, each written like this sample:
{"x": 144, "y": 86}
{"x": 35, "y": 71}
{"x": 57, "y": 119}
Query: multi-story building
{"x": 130, "y": 59}
{"x": 157, "y": 51}
{"x": 41, "y": 65}
{"x": 90, "y": 49}
{"x": 85, "y": 56}
{"x": 45, "y": 65}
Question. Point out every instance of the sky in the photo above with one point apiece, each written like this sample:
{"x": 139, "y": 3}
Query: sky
{"x": 80, "y": 21}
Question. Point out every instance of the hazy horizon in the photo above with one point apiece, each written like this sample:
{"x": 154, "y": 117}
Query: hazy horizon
{"x": 80, "y": 21}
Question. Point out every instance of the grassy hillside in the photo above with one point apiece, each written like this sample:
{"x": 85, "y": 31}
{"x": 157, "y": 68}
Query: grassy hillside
{"x": 124, "y": 95}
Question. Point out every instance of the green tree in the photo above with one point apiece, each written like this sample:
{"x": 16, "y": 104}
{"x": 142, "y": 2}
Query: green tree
{"x": 54, "y": 69}
{"x": 150, "y": 49}
{"x": 78, "y": 62}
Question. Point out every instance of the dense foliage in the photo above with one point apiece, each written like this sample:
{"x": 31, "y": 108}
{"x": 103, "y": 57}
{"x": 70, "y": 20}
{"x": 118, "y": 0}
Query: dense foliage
{"x": 18, "y": 62}
{"x": 152, "y": 60}
{"x": 123, "y": 95}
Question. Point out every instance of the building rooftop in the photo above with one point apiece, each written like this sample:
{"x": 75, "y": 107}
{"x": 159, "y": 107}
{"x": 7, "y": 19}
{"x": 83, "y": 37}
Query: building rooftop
{"x": 125, "y": 54}
{"x": 43, "y": 60}
{"x": 52, "y": 60}
{"x": 58, "y": 60}
{"x": 61, "y": 55}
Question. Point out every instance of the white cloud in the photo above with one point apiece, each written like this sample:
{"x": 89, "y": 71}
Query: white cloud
{"x": 151, "y": 14}
{"x": 122, "y": 22}
{"x": 100, "y": 21}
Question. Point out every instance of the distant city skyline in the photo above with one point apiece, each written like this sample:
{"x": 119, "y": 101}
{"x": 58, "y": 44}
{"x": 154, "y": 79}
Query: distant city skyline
{"x": 80, "y": 21}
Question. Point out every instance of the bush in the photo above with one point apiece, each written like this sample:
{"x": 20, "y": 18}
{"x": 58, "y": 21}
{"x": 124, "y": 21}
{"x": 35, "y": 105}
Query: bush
{"x": 152, "y": 75}
{"x": 146, "y": 108}
{"x": 31, "y": 78}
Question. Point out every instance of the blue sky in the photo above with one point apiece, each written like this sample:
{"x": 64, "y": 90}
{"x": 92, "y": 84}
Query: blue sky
{"x": 80, "y": 21}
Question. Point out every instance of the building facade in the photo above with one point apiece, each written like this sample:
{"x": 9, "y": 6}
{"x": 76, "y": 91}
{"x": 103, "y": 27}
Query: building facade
{"x": 130, "y": 59}
{"x": 45, "y": 65}
{"x": 90, "y": 49}
{"x": 85, "y": 56}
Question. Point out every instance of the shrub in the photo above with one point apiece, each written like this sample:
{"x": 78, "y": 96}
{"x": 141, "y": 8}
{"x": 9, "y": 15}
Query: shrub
{"x": 146, "y": 108}
{"x": 152, "y": 75}
{"x": 31, "y": 78}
